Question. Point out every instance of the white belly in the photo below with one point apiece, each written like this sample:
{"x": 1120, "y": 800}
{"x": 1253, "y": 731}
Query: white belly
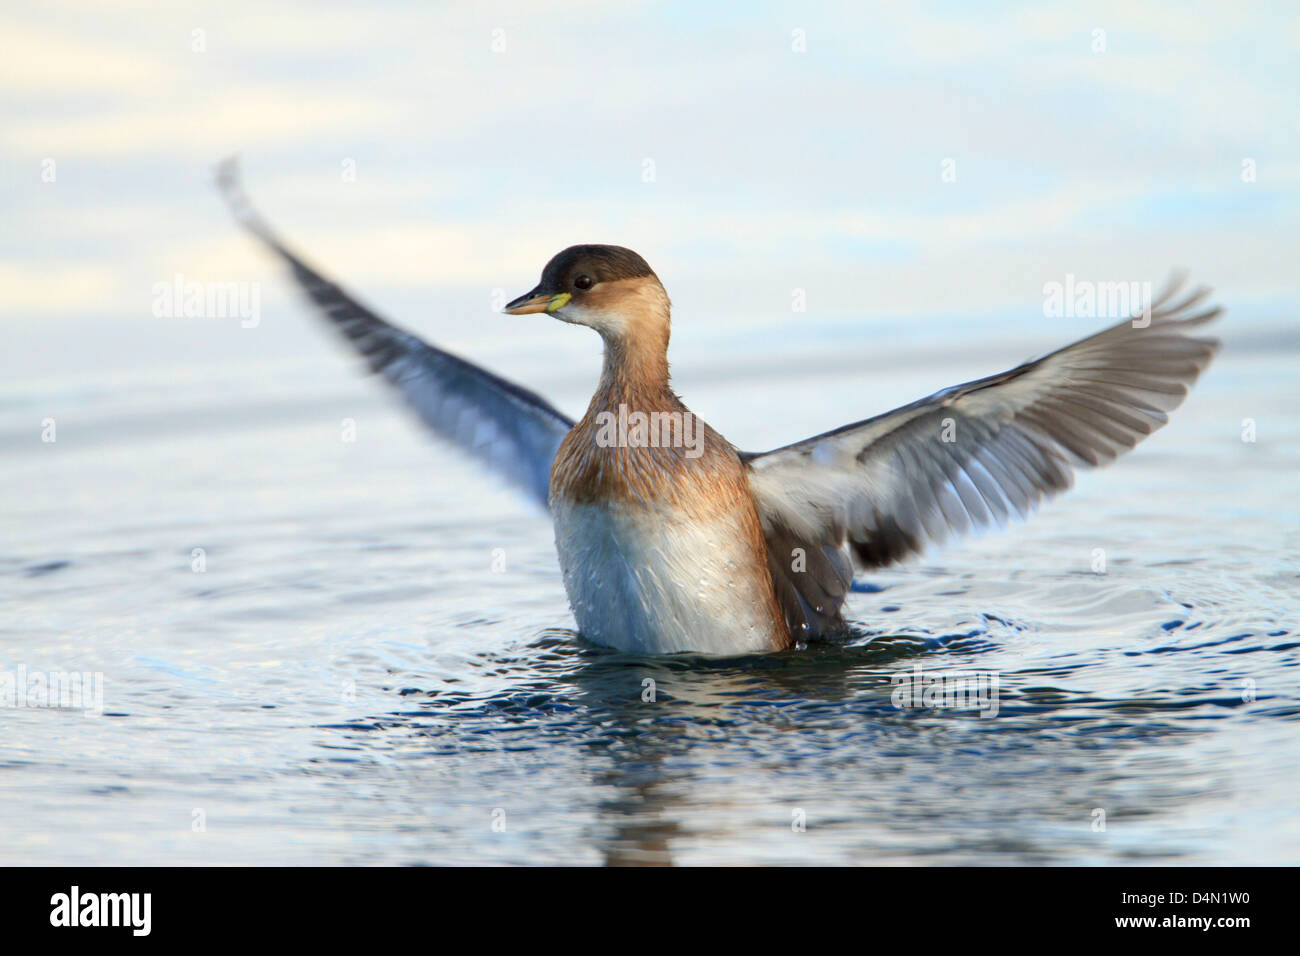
{"x": 648, "y": 582}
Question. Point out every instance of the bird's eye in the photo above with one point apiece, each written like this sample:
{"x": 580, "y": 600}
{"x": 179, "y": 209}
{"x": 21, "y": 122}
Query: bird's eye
{"x": 583, "y": 282}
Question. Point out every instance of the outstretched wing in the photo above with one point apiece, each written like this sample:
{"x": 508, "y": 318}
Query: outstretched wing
{"x": 511, "y": 429}
{"x": 969, "y": 456}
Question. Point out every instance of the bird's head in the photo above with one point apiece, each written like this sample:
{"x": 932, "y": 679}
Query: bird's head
{"x": 609, "y": 288}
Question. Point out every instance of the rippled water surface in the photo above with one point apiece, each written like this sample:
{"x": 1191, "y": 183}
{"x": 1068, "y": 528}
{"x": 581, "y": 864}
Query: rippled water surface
{"x": 376, "y": 663}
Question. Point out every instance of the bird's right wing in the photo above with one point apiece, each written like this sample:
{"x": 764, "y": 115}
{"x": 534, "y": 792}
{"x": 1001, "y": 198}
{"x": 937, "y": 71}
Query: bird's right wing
{"x": 509, "y": 428}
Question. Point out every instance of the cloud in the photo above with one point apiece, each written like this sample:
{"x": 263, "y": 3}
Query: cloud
{"x": 44, "y": 287}
{"x": 772, "y": 168}
{"x": 44, "y": 60}
{"x": 238, "y": 117}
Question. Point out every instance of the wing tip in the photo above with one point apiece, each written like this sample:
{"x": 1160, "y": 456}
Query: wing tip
{"x": 1168, "y": 308}
{"x": 230, "y": 185}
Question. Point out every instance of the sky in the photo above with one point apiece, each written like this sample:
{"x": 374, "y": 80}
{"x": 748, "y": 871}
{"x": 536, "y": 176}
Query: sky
{"x": 886, "y": 165}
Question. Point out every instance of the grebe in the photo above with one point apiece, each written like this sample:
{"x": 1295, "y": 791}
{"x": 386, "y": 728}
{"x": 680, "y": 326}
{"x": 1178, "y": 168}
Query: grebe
{"x": 672, "y": 540}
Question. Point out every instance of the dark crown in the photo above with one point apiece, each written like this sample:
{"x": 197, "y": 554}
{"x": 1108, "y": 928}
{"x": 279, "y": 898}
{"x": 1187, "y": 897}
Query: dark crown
{"x": 602, "y": 263}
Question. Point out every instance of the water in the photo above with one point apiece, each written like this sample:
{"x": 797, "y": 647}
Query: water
{"x": 350, "y": 680}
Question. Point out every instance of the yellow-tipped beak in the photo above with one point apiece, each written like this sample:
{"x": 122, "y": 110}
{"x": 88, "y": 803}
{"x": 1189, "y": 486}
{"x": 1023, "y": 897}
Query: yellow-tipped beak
{"x": 536, "y": 302}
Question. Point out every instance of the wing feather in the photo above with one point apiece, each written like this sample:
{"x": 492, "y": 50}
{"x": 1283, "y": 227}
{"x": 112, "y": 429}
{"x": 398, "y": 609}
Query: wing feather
{"x": 973, "y": 455}
{"x": 512, "y": 430}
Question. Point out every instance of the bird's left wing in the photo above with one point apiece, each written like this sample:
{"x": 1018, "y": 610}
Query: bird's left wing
{"x": 507, "y": 427}
{"x": 969, "y": 456}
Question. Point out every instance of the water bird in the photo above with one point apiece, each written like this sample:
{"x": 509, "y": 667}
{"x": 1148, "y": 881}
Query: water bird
{"x": 672, "y": 540}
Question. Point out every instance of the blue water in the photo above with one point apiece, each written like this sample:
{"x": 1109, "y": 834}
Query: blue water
{"x": 353, "y": 676}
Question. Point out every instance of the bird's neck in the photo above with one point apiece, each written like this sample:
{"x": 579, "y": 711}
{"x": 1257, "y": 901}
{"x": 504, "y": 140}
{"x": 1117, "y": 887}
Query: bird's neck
{"x": 636, "y": 363}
